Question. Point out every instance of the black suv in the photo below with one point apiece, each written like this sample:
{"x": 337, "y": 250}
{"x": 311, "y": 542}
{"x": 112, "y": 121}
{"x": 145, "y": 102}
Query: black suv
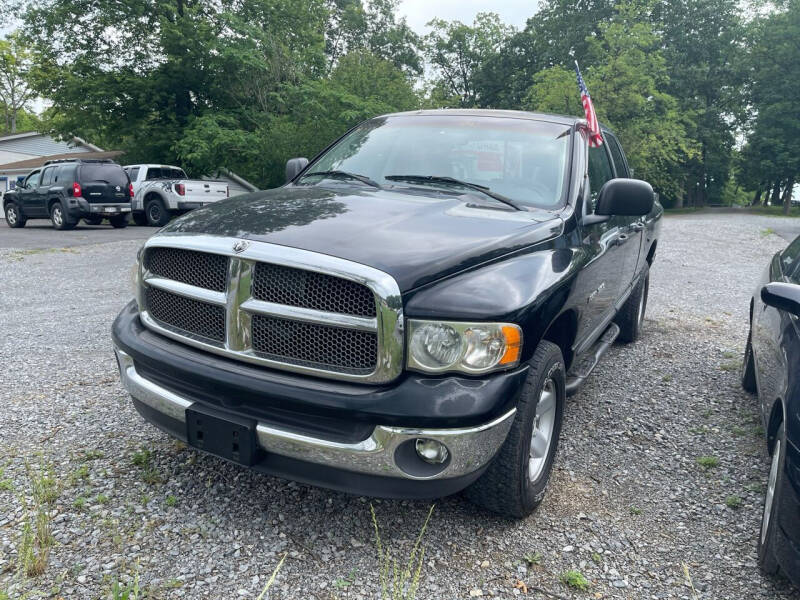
{"x": 70, "y": 190}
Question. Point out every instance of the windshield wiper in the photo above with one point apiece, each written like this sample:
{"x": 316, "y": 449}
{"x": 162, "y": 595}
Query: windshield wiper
{"x": 345, "y": 175}
{"x": 440, "y": 179}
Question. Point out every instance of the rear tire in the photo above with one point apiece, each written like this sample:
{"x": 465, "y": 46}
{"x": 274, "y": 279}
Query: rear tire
{"x": 749, "y": 368}
{"x": 94, "y": 220}
{"x": 118, "y": 221}
{"x": 768, "y": 535}
{"x": 139, "y": 218}
{"x": 157, "y": 213}
{"x": 59, "y": 218}
{"x": 516, "y": 480}
{"x": 631, "y": 316}
{"x": 14, "y": 216}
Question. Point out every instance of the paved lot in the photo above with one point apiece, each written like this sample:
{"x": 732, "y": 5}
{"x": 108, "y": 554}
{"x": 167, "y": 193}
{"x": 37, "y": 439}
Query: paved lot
{"x": 39, "y": 234}
{"x": 629, "y": 507}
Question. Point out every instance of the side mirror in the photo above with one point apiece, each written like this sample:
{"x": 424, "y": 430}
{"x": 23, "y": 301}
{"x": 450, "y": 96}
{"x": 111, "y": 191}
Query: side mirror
{"x": 294, "y": 166}
{"x": 625, "y": 197}
{"x": 784, "y": 296}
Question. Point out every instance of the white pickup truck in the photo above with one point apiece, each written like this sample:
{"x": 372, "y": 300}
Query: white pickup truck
{"x": 161, "y": 191}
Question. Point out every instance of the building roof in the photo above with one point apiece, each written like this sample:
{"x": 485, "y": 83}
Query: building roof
{"x": 33, "y": 163}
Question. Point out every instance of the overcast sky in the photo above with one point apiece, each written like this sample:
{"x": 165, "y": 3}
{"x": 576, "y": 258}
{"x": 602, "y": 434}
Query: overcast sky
{"x": 419, "y": 12}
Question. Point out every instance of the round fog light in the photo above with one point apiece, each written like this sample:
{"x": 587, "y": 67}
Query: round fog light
{"x": 431, "y": 451}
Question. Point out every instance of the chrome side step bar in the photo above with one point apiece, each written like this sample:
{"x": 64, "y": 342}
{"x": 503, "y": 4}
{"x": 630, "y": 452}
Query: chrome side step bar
{"x": 586, "y": 363}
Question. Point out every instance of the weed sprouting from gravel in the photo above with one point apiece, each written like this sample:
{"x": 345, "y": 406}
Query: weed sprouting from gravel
{"x": 171, "y": 500}
{"x": 707, "y": 462}
{"x": 533, "y": 558}
{"x": 575, "y": 580}
{"x": 128, "y": 592}
{"x": 36, "y": 539}
{"x": 733, "y": 501}
{"x": 635, "y": 510}
{"x": 398, "y": 582}
{"x": 144, "y": 460}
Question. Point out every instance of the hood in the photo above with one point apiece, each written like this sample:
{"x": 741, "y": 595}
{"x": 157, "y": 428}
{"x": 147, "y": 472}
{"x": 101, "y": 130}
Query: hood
{"x": 416, "y": 235}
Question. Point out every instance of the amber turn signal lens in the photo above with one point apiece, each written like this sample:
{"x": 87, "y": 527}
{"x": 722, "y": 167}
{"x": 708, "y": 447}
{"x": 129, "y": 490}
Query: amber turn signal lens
{"x": 513, "y": 337}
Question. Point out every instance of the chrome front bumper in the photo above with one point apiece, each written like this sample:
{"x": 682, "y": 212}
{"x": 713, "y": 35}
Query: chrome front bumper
{"x": 470, "y": 448}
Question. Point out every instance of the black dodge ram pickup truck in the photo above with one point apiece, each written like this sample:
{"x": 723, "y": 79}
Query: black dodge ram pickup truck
{"x": 406, "y": 316}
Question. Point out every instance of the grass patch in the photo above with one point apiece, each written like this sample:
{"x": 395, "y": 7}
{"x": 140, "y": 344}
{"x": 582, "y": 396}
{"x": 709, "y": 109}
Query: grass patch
{"x": 532, "y": 558}
{"x": 171, "y": 500}
{"x": 635, "y": 510}
{"x": 400, "y": 582}
{"x": 730, "y": 366}
{"x": 79, "y": 503}
{"x": 597, "y": 558}
{"x": 773, "y": 211}
{"x": 733, "y": 501}
{"x": 144, "y": 460}
{"x": 101, "y": 499}
{"x": 756, "y": 487}
{"x": 738, "y": 431}
{"x": 707, "y": 462}
{"x": 767, "y": 231}
{"x": 91, "y": 455}
{"x": 33, "y": 551}
{"x": 575, "y": 580}
{"x": 666, "y": 378}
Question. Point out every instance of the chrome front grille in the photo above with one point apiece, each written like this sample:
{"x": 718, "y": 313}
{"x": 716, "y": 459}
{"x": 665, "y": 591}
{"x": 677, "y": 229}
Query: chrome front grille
{"x": 333, "y": 348}
{"x": 267, "y": 304}
{"x": 208, "y": 271}
{"x": 186, "y": 315}
{"x": 294, "y": 287}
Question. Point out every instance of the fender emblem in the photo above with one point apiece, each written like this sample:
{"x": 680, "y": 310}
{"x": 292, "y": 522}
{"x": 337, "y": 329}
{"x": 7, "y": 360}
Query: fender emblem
{"x": 240, "y": 246}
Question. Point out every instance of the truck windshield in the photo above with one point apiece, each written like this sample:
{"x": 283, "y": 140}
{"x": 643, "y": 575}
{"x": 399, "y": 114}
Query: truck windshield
{"x": 520, "y": 160}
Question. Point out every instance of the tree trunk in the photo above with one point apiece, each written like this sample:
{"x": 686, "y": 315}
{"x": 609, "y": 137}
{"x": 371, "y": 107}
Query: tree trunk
{"x": 787, "y": 196}
{"x": 13, "y": 120}
{"x": 776, "y": 193}
{"x": 757, "y": 197}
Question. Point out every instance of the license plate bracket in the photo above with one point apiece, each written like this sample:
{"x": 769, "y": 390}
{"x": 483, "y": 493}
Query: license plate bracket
{"x": 228, "y": 436}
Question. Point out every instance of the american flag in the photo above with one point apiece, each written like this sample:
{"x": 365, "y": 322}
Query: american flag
{"x": 595, "y": 137}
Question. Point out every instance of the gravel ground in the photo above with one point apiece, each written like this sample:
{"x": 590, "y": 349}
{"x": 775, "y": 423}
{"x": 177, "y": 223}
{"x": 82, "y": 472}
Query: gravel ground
{"x": 629, "y": 506}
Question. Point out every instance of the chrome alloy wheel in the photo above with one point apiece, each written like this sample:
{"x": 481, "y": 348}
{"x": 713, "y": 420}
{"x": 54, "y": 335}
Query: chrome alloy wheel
{"x": 11, "y": 215}
{"x": 542, "y": 433}
{"x": 58, "y": 218}
{"x": 773, "y": 479}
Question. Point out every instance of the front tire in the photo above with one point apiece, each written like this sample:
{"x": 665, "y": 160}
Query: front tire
{"x": 59, "y": 219}
{"x": 118, "y": 221}
{"x": 516, "y": 480}
{"x": 157, "y": 213}
{"x": 768, "y": 535}
{"x": 14, "y": 216}
{"x": 631, "y": 316}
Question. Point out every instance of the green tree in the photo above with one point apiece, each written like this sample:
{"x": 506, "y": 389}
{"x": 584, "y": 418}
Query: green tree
{"x": 457, "y": 51}
{"x": 771, "y": 158}
{"x": 702, "y": 47}
{"x": 16, "y": 92}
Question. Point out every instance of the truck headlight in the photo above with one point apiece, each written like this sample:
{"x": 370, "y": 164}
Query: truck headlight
{"x": 438, "y": 346}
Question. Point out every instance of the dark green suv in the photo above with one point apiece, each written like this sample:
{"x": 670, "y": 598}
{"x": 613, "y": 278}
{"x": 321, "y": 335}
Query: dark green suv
{"x": 67, "y": 191}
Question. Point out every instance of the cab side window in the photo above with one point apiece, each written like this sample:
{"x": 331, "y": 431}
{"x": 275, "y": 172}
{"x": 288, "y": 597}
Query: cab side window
{"x": 134, "y": 174}
{"x": 599, "y": 170}
{"x": 616, "y": 153}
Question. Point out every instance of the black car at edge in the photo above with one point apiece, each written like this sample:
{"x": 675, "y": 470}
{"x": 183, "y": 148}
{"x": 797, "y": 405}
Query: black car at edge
{"x": 771, "y": 368}
{"x": 68, "y": 190}
{"x": 404, "y": 317}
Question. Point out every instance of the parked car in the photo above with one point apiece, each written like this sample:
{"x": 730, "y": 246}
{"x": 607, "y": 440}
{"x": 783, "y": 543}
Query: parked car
{"x": 162, "y": 191}
{"x": 70, "y": 190}
{"x": 771, "y": 368}
{"x": 406, "y": 316}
